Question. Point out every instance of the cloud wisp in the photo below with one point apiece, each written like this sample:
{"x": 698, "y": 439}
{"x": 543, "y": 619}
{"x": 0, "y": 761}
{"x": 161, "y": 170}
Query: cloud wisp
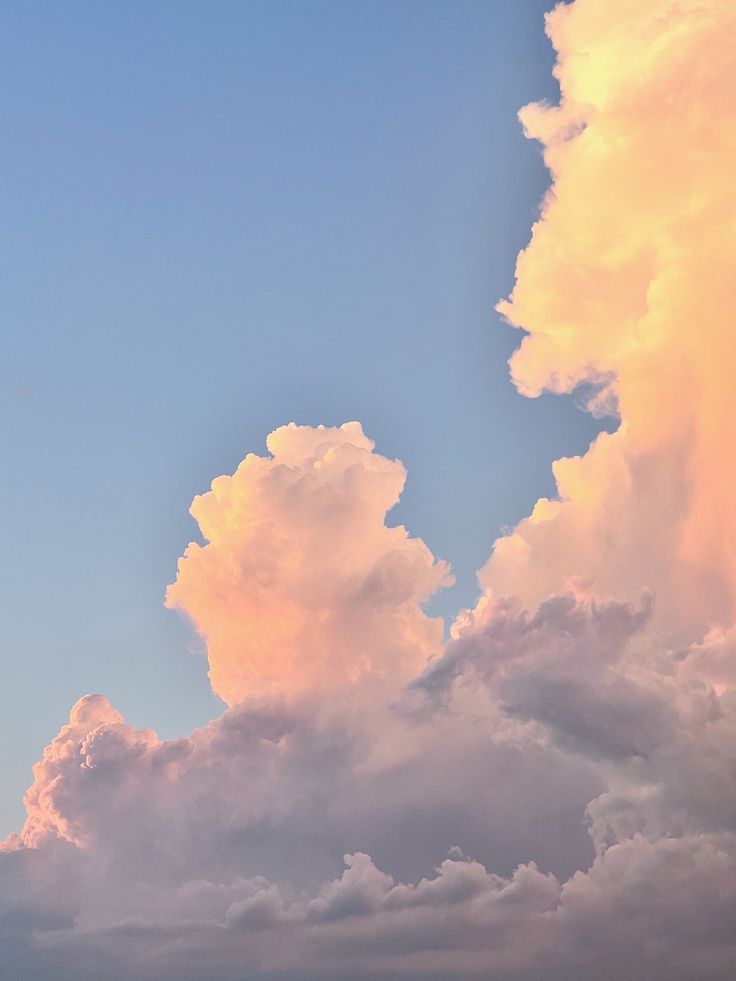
{"x": 552, "y": 791}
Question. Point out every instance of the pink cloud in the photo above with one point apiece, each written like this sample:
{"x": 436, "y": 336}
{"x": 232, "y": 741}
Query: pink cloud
{"x": 302, "y": 585}
{"x": 551, "y": 791}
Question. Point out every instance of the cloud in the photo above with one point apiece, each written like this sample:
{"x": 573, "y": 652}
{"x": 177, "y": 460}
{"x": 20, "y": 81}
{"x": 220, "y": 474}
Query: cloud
{"x": 551, "y": 792}
{"x": 301, "y": 585}
{"x": 219, "y": 849}
{"x": 629, "y": 279}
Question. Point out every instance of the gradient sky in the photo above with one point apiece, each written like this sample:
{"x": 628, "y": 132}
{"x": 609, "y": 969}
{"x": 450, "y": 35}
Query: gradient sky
{"x": 218, "y": 218}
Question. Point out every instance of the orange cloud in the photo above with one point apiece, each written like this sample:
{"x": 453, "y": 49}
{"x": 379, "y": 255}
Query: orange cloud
{"x": 629, "y": 284}
{"x": 301, "y": 585}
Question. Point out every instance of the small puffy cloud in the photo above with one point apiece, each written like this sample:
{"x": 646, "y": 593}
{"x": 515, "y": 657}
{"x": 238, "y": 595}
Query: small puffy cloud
{"x": 360, "y": 891}
{"x": 263, "y": 909}
{"x": 95, "y": 745}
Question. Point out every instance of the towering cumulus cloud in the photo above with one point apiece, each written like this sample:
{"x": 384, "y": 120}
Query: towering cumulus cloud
{"x": 301, "y": 584}
{"x": 551, "y": 792}
{"x": 628, "y": 287}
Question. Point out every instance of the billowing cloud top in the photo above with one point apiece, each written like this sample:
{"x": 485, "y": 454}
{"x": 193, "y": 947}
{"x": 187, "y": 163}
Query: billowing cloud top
{"x": 627, "y": 288}
{"x": 551, "y": 792}
{"x": 301, "y": 585}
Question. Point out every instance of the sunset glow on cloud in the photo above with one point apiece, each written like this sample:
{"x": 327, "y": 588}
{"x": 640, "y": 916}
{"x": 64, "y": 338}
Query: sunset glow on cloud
{"x": 627, "y": 286}
{"x": 301, "y": 585}
{"x": 550, "y": 791}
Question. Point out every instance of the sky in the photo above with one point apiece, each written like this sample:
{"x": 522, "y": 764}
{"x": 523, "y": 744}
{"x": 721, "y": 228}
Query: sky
{"x": 218, "y": 219}
{"x": 372, "y": 596}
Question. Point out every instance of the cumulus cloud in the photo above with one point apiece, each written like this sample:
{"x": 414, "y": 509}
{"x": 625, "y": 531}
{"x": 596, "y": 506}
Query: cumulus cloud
{"x": 301, "y": 584}
{"x": 629, "y": 280}
{"x": 551, "y": 792}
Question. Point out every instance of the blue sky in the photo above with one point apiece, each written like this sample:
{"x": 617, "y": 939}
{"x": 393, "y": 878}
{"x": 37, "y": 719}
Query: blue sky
{"x": 217, "y": 218}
